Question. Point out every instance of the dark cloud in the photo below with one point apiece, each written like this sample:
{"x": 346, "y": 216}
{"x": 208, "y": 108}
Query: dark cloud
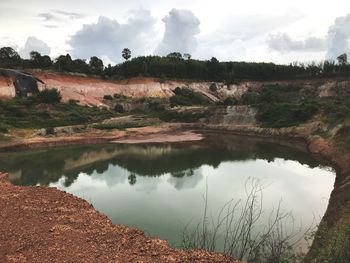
{"x": 284, "y": 43}
{"x": 34, "y": 44}
{"x": 181, "y": 28}
{"x": 108, "y": 37}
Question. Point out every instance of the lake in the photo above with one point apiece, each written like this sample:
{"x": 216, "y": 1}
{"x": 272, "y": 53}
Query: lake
{"x": 161, "y": 188}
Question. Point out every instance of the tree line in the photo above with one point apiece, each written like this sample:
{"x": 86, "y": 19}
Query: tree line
{"x": 178, "y": 66}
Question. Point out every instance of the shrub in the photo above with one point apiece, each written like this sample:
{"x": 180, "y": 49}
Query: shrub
{"x": 72, "y": 101}
{"x": 107, "y": 97}
{"x": 250, "y": 98}
{"x": 343, "y": 137}
{"x": 213, "y": 87}
{"x": 32, "y": 113}
{"x": 49, "y": 96}
{"x": 4, "y": 128}
{"x": 119, "y": 108}
{"x": 120, "y": 96}
{"x": 230, "y": 101}
{"x": 278, "y": 115}
{"x": 336, "y": 110}
{"x": 156, "y": 104}
{"x": 187, "y": 97}
{"x": 50, "y": 131}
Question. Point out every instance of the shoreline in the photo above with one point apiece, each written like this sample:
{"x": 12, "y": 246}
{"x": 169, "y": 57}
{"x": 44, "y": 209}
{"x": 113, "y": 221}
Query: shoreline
{"x": 167, "y": 136}
{"x": 316, "y": 146}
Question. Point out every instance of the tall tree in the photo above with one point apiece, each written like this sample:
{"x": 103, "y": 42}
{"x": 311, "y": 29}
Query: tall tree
{"x": 187, "y": 56}
{"x": 39, "y": 61}
{"x": 177, "y": 55}
{"x": 64, "y": 63}
{"x": 96, "y": 65}
{"x": 126, "y": 53}
{"x": 9, "y": 57}
{"x": 342, "y": 59}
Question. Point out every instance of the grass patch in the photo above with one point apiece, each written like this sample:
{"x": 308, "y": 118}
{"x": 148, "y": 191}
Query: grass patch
{"x": 343, "y": 137}
{"x": 336, "y": 110}
{"x": 279, "y": 115}
{"x": 32, "y": 112}
{"x": 331, "y": 244}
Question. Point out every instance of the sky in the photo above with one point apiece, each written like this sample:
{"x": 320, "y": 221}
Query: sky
{"x": 278, "y": 31}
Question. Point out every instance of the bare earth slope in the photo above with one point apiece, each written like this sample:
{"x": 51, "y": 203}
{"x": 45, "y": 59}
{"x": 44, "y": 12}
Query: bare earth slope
{"x": 90, "y": 91}
{"x": 41, "y": 224}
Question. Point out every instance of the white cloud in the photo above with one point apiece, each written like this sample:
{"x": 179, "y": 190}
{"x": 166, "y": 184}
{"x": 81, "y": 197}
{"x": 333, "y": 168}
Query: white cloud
{"x": 181, "y": 28}
{"x": 108, "y": 37}
{"x": 229, "y": 30}
{"x": 236, "y": 35}
{"x": 335, "y": 43}
{"x": 34, "y": 44}
{"x": 338, "y": 37}
{"x": 282, "y": 42}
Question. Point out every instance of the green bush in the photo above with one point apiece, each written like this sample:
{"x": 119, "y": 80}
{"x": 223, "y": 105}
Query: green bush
{"x": 72, "y": 101}
{"x": 250, "y": 98}
{"x": 343, "y": 137}
{"x": 50, "y": 131}
{"x": 120, "y": 96}
{"x": 187, "y": 97}
{"x": 278, "y": 115}
{"x": 4, "y": 128}
{"x": 49, "y": 96}
{"x": 107, "y": 97}
{"x": 156, "y": 104}
{"x": 119, "y": 108}
{"x": 213, "y": 88}
{"x": 336, "y": 110}
{"x": 331, "y": 244}
{"x": 31, "y": 112}
{"x": 230, "y": 101}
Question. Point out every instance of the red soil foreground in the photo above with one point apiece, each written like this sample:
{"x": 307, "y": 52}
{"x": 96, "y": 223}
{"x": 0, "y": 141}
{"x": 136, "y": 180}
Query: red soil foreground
{"x": 41, "y": 224}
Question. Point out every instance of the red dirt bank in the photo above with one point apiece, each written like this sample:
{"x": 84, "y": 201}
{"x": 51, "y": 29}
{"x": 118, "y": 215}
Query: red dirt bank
{"x": 41, "y": 224}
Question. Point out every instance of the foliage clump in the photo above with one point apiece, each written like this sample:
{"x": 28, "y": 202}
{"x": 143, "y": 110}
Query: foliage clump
{"x": 45, "y": 110}
{"x": 187, "y": 97}
{"x": 49, "y": 96}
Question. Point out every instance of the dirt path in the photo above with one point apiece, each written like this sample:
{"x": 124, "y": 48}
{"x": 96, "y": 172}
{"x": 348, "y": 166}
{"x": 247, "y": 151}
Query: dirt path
{"x": 41, "y": 224}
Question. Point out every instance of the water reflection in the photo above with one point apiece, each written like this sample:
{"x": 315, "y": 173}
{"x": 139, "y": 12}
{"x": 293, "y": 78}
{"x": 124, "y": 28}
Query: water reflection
{"x": 47, "y": 166}
{"x": 159, "y": 188}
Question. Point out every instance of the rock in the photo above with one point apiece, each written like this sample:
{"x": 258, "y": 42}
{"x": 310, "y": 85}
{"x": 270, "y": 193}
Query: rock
{"x": 24, "y": 84}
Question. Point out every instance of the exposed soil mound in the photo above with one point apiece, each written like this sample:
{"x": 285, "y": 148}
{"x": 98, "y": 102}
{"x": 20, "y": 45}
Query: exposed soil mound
{"x": 41, "y": 224}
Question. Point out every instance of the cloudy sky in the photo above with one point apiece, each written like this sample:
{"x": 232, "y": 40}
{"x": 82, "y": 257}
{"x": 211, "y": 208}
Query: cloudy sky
{"x": 280, "y": 31}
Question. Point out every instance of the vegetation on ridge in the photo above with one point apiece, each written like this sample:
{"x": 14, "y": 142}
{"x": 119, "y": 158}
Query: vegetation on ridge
{"x": 176, "y": 65}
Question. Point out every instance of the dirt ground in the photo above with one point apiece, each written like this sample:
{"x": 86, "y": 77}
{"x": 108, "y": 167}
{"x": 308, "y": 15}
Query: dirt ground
{"x": 41, "y": 224}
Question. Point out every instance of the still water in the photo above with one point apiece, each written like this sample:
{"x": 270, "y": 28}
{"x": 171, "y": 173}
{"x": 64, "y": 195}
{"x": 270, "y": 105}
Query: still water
{"x": 159, "y": 188}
